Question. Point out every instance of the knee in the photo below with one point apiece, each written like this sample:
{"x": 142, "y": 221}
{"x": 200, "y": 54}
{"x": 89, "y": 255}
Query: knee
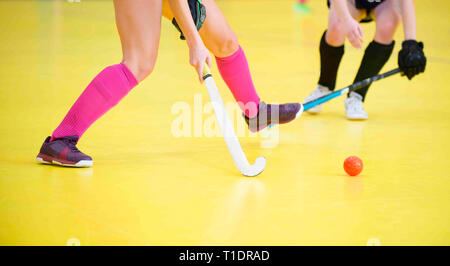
{"x": 146, "y": 66}
{"x": 335, "y": 33}
{"x": 226, "y": 46}
{"x": 141, "y": 66}
{"x": 386, "y": 29}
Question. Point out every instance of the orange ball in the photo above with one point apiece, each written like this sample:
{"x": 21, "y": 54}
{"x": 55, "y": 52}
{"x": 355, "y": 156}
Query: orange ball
{"x": 353, "y": 165}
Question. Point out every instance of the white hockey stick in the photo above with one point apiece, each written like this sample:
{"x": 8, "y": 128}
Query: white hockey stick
{"x": 239, "y": 158}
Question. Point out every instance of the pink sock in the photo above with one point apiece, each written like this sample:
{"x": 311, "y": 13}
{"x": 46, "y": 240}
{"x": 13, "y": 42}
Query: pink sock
{"x": 104, "y": 92}
{"x": 236, "y": 74}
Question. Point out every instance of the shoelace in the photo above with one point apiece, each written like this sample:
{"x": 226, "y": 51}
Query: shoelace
{"x": 71, "y": 144}
{"x": 355, "y": 105}
{"x": 316, "y": 94}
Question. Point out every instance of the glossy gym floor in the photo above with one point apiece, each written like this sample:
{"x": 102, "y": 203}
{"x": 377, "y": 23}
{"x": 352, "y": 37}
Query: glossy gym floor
{"x": 149, "y": 187}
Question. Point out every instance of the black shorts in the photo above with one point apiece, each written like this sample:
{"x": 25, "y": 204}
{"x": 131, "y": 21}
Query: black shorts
{"x": 198, "y": 12}
{"x": 367, "y": 5}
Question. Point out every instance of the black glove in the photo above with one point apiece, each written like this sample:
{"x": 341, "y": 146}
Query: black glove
{"x": 411, "y": 58}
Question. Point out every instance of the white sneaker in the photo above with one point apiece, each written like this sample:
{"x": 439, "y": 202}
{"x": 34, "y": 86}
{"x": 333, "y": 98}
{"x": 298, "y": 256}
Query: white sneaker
{"x": 320, "y": 91}
{"x": 354, "y": 107}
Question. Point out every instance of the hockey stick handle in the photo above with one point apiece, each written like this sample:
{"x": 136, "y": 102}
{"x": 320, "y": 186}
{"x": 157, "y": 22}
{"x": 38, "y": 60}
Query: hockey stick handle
{"x": 206, "y": 71}
{"x": 353, "y": 87}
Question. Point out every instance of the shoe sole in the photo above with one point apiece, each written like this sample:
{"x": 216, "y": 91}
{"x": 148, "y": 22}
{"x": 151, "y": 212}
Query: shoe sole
{"x": 41, "y": 158}
{"x": 357, "y": 118}
{"x": 315, "y": 110}
{"x": 297, "y": 115}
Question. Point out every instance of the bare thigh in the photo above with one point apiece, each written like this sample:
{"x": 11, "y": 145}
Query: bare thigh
{"x": 387, "y": 18}
{"x": 139, "y": 26}
{"x": 335, "y": 33}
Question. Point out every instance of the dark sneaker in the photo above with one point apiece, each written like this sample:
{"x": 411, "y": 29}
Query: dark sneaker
{"x": 62, "y": 151}
{"x": 269, "y": 114}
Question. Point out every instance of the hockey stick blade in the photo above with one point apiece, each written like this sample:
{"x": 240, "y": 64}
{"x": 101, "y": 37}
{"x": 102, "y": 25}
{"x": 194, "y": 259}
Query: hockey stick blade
{"x": 227, "y": 129}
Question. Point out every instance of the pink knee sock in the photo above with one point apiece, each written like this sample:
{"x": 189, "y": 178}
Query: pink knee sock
{"x": 236, "y": 74}
{"x": 104, "y": 92}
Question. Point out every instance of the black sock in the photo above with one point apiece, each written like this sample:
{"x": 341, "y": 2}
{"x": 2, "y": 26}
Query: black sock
{"x": 375, "y": 56}
{"x": 330, "y": 57}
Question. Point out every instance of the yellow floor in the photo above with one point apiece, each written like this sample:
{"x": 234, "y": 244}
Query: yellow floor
{"x": 149, "y": 188}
